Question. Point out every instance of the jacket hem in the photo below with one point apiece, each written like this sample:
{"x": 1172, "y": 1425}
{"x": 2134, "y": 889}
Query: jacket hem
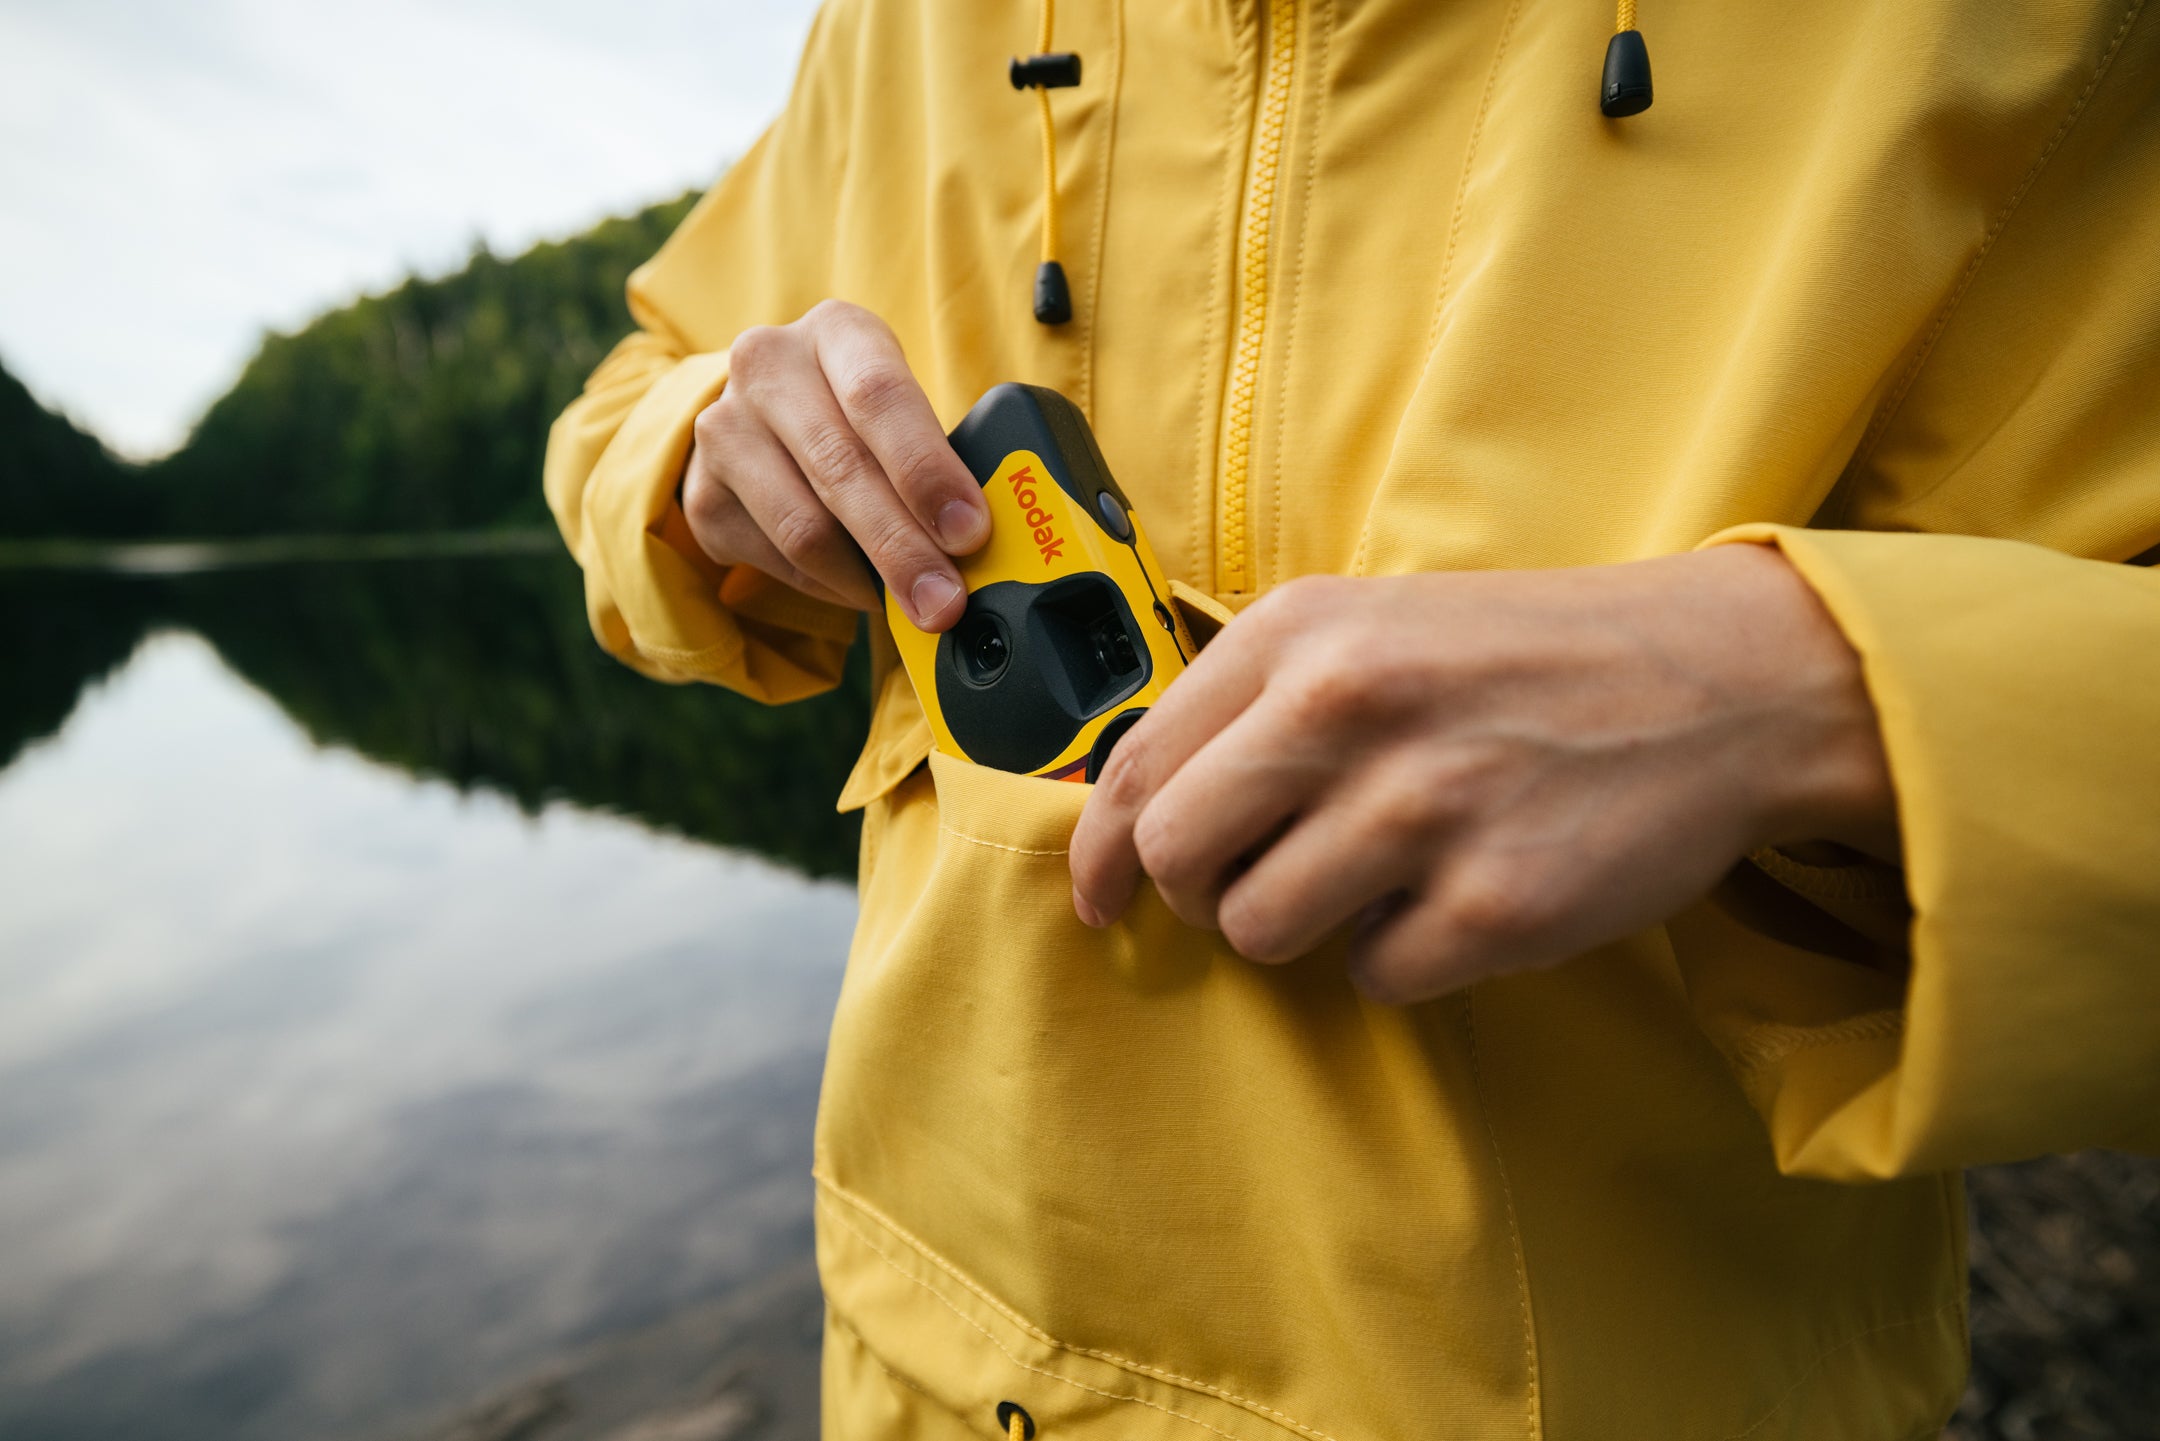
{"x": 852, "y": 1232}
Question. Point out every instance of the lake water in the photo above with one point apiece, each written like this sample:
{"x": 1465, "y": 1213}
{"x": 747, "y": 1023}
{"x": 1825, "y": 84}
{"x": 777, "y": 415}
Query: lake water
{"x": 395, "y": 994}
{"x": 410, "y": 1025}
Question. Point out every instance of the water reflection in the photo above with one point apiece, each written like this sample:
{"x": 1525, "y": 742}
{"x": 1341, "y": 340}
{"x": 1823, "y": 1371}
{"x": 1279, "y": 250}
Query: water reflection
{"x": 480, "y": 672}
{"x": 331, "y": 1097}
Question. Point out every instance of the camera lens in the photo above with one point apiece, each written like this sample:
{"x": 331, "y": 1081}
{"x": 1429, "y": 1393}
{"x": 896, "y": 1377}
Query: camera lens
{"x": 984, "y": 649}
{"x": 1113, "y": 647}
{"x": 989, "y": 651}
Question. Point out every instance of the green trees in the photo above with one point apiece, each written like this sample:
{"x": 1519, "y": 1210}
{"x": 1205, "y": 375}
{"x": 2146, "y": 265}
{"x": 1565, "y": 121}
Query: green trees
{"x": 55, "y": 480}
{"x": 425, "y": 408}
{"x": 479, "y": 672}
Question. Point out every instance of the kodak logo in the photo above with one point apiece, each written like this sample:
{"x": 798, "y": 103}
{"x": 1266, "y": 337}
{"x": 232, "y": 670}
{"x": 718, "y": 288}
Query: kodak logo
{"x": 1047, "y": 540}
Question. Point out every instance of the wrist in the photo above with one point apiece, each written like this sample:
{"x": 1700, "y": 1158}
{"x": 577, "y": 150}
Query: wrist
{"x": 1824, "y": 775}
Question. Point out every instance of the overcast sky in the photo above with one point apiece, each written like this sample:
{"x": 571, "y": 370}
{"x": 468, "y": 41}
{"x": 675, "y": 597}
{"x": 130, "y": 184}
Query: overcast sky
{"x": 178, "y": 176}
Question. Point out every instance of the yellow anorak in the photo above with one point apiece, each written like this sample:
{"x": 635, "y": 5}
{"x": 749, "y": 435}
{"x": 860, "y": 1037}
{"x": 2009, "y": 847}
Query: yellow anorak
{"x": 1371, "y": 288}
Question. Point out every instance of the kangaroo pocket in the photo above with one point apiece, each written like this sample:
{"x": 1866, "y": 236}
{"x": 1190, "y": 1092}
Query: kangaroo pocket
{"x": 1133, "y": 1183}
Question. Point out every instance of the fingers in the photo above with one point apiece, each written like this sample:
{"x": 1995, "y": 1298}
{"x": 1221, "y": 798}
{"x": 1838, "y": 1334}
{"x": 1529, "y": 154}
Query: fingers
{"x": 764, "y": 514}
{"x": 1232, "y": 797}
{"x": 1483, "y": 919}
{"x": 1104, "y": 856}
{"x": 786, "y": 386}
{"x": 1327, "y": 868}
{"x": 879, "y": 395}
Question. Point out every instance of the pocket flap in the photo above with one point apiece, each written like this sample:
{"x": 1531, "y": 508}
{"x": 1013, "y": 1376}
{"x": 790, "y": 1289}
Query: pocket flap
{"x": 1204, "y": 616}
{"x": 899, "y": 740}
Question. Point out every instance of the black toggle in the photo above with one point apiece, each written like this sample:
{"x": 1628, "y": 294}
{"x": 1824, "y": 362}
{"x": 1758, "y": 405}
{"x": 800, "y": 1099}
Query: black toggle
{"x": 1053, "y": 297}
{"x": 1626, "y": 90}
{"x": 1059, "y": 71}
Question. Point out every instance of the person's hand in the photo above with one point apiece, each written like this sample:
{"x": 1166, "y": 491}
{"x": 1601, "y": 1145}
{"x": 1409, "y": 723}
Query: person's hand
{"x": 1490, "y": 771}
{"x": 821, "y": 435}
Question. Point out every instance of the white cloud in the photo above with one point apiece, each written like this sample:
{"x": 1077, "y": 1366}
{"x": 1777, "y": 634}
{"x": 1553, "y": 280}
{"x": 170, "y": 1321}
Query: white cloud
{"x": 175, "y": 179}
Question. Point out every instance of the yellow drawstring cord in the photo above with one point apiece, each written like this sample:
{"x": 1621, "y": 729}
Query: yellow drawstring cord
{"x": 1625, "y": 88}
{"x": 1050, "y": 205}
{"x": 1044, "y": 71}
{"x": 1049, "y": 135}
{"x": 1016, "y": 1424}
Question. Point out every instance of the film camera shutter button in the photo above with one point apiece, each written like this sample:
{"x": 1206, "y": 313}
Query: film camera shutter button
{"x": 1114, "y": 518}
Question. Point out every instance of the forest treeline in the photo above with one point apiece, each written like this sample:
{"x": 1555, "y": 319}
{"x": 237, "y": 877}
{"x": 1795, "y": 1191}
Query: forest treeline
{"x": 424, "y": 408}
{"x": 479, "y": 672}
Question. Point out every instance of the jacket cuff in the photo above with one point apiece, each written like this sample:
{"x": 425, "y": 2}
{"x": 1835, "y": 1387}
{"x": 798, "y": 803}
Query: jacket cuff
{"x": 655, "y": 600}
{"x": 2013, "y": 687}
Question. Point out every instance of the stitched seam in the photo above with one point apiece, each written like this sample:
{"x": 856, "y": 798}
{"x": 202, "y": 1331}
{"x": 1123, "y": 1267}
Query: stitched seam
{"x": 1896, "y": 399}
{"x": 1102, "y": 211}
{"x": 993, "y": 845}
{"x": 1822, "y": 1358}
{"x": 1323, "y": 34}
{"x": 1462, "y": 183}
{"x": 835, "y": 1318}
{"x": 1258, "y": 1408}
{"x": 987, "y": 1335}
{"x": 1507, "y": 1199}
{"x": 1447, "y": 259}
{"x": 1779, "y": 1043}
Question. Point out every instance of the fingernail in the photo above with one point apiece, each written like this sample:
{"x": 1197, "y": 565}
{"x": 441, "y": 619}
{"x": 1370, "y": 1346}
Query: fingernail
{"x": 1085, "y": 911}
{"x": 932, "y": 594}
{"x": 961, "y": 523}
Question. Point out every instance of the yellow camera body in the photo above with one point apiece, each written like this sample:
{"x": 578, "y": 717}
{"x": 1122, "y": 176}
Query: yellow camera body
{"x": 1069, "y": 633}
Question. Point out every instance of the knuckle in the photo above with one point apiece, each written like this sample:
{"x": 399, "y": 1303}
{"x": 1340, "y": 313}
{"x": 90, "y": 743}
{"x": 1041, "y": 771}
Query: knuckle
{"x": 920, "y": 465}
{"x": 1124, "y": 778}
{"x": 834, "y": 458}
{"x": 710, "y": 426}
{"x": 754, "y": 352}
{"x": 892, "y": 541}
{"x": 1296, "y": 600}
{"x": 719, "y": 428}
{"x": 1252, "y": 926}
{"x": 1404, "y": 815}
{"x": 805, "y": 533}
{"x": 1493, "y": 904}
{"x": 874, "y": 389}
{"x": 707, "y": 502}
{"x": 833, "y": 313}
{"x": 1163, "y": 855}
{"x": 1326, "y": 696}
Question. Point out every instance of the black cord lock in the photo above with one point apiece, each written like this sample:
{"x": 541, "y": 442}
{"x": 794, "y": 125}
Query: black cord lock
{"x": 1053, "y": 297}
{"x": 1626, "y": 88}
{"x": 1060, "y": 71}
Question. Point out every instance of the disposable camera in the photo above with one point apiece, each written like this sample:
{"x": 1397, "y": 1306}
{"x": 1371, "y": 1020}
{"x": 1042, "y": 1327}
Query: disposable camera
{"x": 1069, "y": 634}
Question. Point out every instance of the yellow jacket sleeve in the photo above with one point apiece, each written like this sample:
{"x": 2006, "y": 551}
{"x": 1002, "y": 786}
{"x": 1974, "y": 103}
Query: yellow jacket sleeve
{"x": 1977, "y": 565}
{"x": 2019, "y": 695}
{"x": 755, "y": 251}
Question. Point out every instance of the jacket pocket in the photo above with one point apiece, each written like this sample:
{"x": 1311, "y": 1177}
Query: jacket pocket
{"x": 1126, "y": 1169}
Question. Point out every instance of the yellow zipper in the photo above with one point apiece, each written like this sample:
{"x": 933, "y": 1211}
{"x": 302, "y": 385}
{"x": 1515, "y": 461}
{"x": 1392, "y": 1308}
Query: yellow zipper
{"x": 1233, "y": 572}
